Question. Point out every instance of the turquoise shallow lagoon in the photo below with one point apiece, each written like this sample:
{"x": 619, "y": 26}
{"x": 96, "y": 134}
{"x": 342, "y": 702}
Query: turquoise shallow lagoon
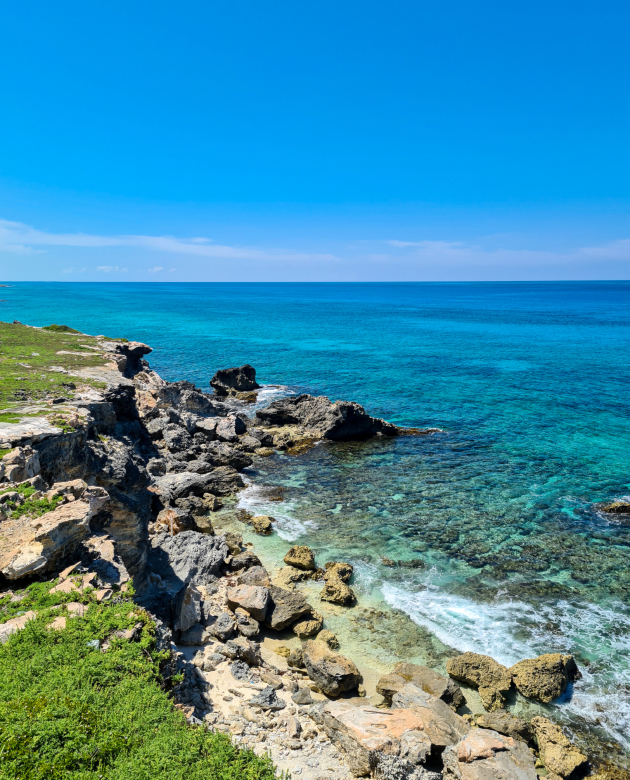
{"x": 493, "y": 520}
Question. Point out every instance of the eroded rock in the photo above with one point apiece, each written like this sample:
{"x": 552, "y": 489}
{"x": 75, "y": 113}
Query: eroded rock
{"x": 230, "y": 381}
{"x": 254, "y": 599}
{"x": 556, "y": 751}
{"x": 492, "y": 679}
{"x": 429, "y": 681}
{"x": 285, "y": 608}
{"x": 488, "y": 755}
{"x": 332, "y": 673}
{"x": 300, "y": 557}
{"x": 546, "y": 677}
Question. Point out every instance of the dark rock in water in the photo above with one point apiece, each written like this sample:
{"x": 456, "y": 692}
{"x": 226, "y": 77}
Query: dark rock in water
{"x": 224, "y": 626}
{"x": 187, "y": 556}
{"x": 285, "y": 608}
{"x": 318, "y": 416}
{"x": 429, "y": 681}
{"x": 617, "y": 508}
{"x": 240, "y": 671}
{"x": 268, "y": 700}
{"x": 229, "y": 381}
{"x": 505, "y": 723}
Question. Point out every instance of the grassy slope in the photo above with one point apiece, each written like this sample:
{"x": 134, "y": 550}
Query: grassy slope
{"x": 37, "y": 349}
{"x": 71, "y": 711}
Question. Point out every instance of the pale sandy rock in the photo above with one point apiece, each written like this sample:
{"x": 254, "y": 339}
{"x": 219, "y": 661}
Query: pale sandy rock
{"x": 488, "y": 755}
{"x": 546, "y": 677}
{"x": 556, "y": 751}
{"x": 254, "y": 599}
{"x": 15, "y": 624}
{"x": 309, "y": 627}
{"x": 492, "y": 679}
{"x": 301, "y": 558}
{"x": 428, "y": 680}
{"x": 443, "y": 726}
{"x": 263, "y": 524}
{"x": 285, "y": 608}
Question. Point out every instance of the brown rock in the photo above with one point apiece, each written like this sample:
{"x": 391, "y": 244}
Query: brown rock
{"x": 488, "y": 755}
{"x": 617, "y": 508}
{"x": 331, "y": 672}
{"x": 329, "y": 638}
{"x": 505, "y": 723}
{"x": 429, "y": 681}
{"x": 546, "y": 677}
{"x": 442, "y": 725}
{"x": 245, "y": 623}
{"x": 173, "y": 521}
{"x": 254, "y": 599}
{"x": 234, "y": 542}
{"x": 257, "y": 575}
{"x": 492, "y": 679}
{"x": 263, "y": 524}
{"x": 301, "y": 558}
{"x": 285, "y": 608}
{"x": 342, "y": 571}
{"x": 556, "y": 751}
{"x": 309, "y": 626}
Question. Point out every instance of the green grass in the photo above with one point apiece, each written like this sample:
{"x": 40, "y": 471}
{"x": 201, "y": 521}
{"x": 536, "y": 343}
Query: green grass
{"x": 71, "y": 711}
{"x": 37, "y": 348}
{"x": 33, "y": 507}
{"x": 5, "y": 452}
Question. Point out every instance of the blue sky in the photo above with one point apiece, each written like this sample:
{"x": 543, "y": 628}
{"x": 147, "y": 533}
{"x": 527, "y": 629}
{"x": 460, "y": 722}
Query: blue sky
{"x": 325, "y": 141}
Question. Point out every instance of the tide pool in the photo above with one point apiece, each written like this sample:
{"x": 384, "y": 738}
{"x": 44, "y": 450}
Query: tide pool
{"x": 492, "y": 522}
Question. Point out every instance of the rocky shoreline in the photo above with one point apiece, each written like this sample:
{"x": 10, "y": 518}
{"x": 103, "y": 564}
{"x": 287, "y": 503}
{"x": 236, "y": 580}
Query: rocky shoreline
{"x": 116, "y": 489}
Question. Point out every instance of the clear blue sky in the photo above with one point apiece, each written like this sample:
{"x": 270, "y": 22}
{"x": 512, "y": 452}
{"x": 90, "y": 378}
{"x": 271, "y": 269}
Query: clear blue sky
{"x": 289, "y": 141}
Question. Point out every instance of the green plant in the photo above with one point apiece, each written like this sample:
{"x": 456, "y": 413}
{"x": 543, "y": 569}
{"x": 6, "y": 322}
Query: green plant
{"x": 5, "y": 452}
{"x": 70, "y": 710}
{"x": 60, "y": 329}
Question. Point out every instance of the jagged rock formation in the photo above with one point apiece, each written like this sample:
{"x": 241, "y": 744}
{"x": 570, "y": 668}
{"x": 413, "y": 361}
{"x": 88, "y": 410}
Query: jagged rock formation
{"x": 232, "y": 381}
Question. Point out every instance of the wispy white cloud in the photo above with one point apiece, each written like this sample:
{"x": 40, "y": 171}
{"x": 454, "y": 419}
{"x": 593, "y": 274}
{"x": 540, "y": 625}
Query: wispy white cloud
{"x": 156, "y": 269}
{"x": 19, "y": 238}
{"x": 111, "y": 269}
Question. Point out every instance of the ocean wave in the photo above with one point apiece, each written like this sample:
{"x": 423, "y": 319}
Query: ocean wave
{"x": 288, "y": 527}
{"x": 510, "y": 631}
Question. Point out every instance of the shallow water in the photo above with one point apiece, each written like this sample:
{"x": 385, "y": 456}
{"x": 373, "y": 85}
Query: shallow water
{"x": 495, "y": 516}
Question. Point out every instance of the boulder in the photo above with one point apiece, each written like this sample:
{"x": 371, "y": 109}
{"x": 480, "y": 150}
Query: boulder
{"x": 229, "y": 381}
{"x": 249, "y": 443}
{"x": 176, "y": 438}
{"x": 285, "y": 608}
{"x": 319, "y": 417}
{"x": 335, "y": 590}
{"x": 263, "y": 524}
{"x": 187, "y": 556}
{"x": 20, "y": 464}
{"x": 173, "y": 520}
{"x": 429, "y": 681}
{"x": 329, "y": 638}
{"x": 309, "y": 626}
{"x": 234, "y": 542}
{"x": 492, "y": 679}
{"x": 257, "y": 575}
{"x": 15, "y": 624}
{"x": 221, "y": 481}
{"x": 224, "y": 626}
{"x": 441, "y": 724}
{"x": 302, "y": 697}
{"x": 546, "y": 677}
{"x": 332, "y": 673}
{"x": 229, "y": 428}
{"x": 338, "y": 569}
{"x": 556, "y": 751}
{"x": 366, "y": 735}
{"x": 254, "y": 599}
{"x": 488, "y": 755}
{"x": 301, "y": 558}
{"x": 38, "y": 545}
{"x": 245, "y": 623}
{"x": 220, "y": 453}
{"x": 244, "y": 560}
{"x": 187, "y": 608}
{"x": 268, "y": 699}
{"x": 507, "y": 724}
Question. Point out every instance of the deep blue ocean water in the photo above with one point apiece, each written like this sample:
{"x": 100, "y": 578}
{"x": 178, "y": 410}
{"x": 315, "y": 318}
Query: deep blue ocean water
{"x": 494, "y": 518}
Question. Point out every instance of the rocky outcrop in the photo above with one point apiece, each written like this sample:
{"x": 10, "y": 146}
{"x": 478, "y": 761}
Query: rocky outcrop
{"x": 320, "y": 418}
{"x": 331, "y": 672}
{"x": 546, "y": 677}
{"x": 262, "y": 524}
{"x": 617, "y": 508}
{"x": 254, "y": 599}
{"x": 492, "y": 679}
{"x": 336, "y": 590}
{"x": 36, "y": 545}
{"x": 426, "y": 679}
{"x": 556, "y": 751}
{"x": 441, "y": 724}
{"x": 507, "y": 724}
{"x": 488, "y": 755}
{"x": 301, "y": 558}
{"x": 187, "y": 557}
{"x": 231, "y": 381}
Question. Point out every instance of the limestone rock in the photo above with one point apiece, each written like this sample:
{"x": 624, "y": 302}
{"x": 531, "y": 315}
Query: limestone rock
{"x": 229, "y": 381}
{"x": 221, "y": 481}
{"x": 338, "y": 569}
{"x": 331, "y": 672}
{"x": 329, "y": 638}
{"x": 257, "y": 575}
{"x": 187, "y": 608}
{"x": 319, "y": 417}
{"x": 229, "y": 428}
{"x": 302, "y": 697}
{"x": 429, "y": 681}
{"x": 507, "y": 724}
{"x": 556, "y": 751}
{"x": 309, "y": 626}
{"x": 245, "y": 623}
{"x": 441, "y": 724}
{"x": 268, "y": 699}
{"x": 546, "y": 677}
{"x": 254, "y": 599}
{"x": 234, "y": 542}
{"x": 492, "y": 679}
{"x": 173, "y": 521}
{"x": 335, "y": 591}
{"x": 21, "y": 464}
{"x": 224, "y": 626}
{"x": 244, "y": 560}
{"x": 263, "y": 524}
{"x": 301, "y": 558}
{"x": 285, "y": 608}
{"x": 488, "y": 755}
{"x": 617, "y": 508}
{"x": 187, "y": 556}
{"x": 37, "y": 545}
{"x": 195, "y": 636}
{"x": 15, "y": 624}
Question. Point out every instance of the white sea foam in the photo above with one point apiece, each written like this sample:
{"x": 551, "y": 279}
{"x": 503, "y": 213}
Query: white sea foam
{"x": 287, "y": 526}
{"x": 511, "y": 630}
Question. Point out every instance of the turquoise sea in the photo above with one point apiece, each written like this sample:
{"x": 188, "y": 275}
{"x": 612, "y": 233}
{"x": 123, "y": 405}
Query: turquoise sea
{"x": 492, "y": 521}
